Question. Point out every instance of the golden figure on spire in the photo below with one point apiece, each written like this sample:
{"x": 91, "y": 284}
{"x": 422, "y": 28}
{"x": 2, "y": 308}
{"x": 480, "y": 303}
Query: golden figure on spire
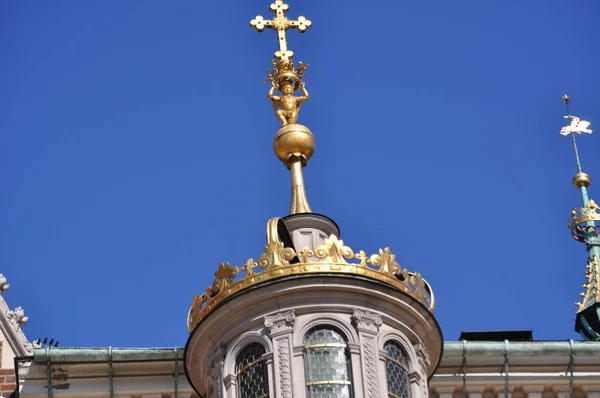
{"x": 284, "y": 76}
{"x": 290, "y": 105}
{"x": 294, "y": 143}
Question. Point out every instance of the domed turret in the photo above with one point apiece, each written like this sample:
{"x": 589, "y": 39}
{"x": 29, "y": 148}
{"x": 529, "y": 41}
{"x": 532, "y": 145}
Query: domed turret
{"x": 310, "y": 317}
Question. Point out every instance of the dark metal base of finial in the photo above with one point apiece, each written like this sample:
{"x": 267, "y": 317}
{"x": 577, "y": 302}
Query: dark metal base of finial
{"x": 587, "y": 323}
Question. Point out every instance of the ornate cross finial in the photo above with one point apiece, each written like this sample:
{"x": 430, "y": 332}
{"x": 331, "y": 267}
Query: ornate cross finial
{"x": 281, "y": 23}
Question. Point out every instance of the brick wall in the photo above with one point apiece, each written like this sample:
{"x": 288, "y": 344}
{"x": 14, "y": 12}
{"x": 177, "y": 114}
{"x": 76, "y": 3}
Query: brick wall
{"x": 8, "y": 383}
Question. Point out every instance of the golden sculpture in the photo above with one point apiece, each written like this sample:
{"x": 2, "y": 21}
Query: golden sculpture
{"x": 281, "y": 23}
{"x": 289, "y": 104}
{"x": 332, "y": 257}
{"x": 283, "y": 76}
{"x": 590, "y": 212}
{"x": 294, "y": 143}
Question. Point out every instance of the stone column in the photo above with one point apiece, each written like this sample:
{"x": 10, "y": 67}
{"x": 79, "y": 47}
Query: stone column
{"x": 594, "y": 394}
{"x": 230, "y": 382}
{"x": 281, "y": 327}
{"x": 445, "y": 391}
{"x": 421, "y": 367}
{"x": 533, "y": 390}
{"x": 367, "y": 325}
{"x": 475, "y": 390}
{"x": 270, "y": 371}
{"x": 214, "y": 363}
{"x": 356, "y": 365}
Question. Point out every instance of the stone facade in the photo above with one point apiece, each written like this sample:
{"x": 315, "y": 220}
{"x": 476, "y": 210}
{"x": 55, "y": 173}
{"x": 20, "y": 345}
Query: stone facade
{"x": 306, "y": 305}
{"x": 543, "y": 369}
{"x": 540, "y": 376}
{"x": 150, "y": 373}
{"x": 13, "y": 342}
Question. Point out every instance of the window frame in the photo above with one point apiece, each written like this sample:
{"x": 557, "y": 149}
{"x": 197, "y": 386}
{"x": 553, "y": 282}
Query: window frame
{"x": 347, "y": 356}
{"x": 406, "y": 368}
{"x": 261, "y": 360}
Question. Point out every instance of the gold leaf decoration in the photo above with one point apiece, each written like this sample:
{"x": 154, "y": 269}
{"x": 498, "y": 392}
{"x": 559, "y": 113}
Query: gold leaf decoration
{"x": 332, "y": 257}
{"x": 584, "y": 214}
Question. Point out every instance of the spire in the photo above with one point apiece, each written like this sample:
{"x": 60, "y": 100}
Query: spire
{"x": 294, "y": 143}
{"x": 584, "y": 229}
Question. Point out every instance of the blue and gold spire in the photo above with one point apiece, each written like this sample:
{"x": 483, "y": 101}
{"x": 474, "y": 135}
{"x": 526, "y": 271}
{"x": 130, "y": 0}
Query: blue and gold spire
{"x": 585, "y": 227}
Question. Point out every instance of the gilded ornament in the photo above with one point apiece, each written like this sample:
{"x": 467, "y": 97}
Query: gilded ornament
{"x": 281, "y": 23}
{"x": 592, "y": 285}
{"x": 284, "y": 76}
{"x": 581, "y": 180}
{"x": 584, "y": 214}
{"x": 287, "y": 106}
{"x": 295, "y": 145}
{"x": 334, "y": 250}
{"x": 332, "y": 257}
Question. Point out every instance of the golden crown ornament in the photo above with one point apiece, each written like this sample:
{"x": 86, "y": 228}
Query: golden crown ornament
{"x": 332, "y": 257}
{"x": 590, "y": 212}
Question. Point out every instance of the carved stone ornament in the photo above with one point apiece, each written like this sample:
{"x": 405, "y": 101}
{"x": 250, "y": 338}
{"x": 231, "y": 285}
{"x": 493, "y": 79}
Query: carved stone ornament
{"x": 424, "y": 364}
{"x": 17, "y": 317}
{"x": 370, "y": 368}
{"x": 230, "y": 380}
{"x": 285, "y": 377}
{"x": 215, "y": 361}
{"x": 422, "y": 355}
{"x": 216, "y": 355}
{"x": 3, "y": 285}
{"x": 367, "y": 320}
{"x": 414, "y": 377}
{"x": 282, "y": 321}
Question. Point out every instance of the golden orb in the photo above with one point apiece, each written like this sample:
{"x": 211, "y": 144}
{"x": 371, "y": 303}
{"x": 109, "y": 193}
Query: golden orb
{"x": 294, "y": 140}
{"x": 581, "y": 180}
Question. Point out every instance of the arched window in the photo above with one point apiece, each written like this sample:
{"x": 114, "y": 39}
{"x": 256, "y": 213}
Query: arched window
{"x": 251, "y": 370}
{"x": 327, "y": 365}
{"x": 396, "y": 371}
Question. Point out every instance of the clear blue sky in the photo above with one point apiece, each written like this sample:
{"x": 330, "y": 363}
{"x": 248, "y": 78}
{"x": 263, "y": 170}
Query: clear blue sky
{"x": 136, "y": 137}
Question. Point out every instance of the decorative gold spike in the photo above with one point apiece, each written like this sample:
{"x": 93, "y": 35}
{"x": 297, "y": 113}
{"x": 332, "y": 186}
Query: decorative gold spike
{"x": 592, "y": 276}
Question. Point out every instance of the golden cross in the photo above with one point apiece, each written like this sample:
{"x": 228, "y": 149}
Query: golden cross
{"x": 281, "y": 23}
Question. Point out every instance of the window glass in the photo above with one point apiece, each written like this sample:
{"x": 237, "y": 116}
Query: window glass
{"x": 251, "y": 369}
{"x": 396, "y": 371}
{"x": 327, "y": 365}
